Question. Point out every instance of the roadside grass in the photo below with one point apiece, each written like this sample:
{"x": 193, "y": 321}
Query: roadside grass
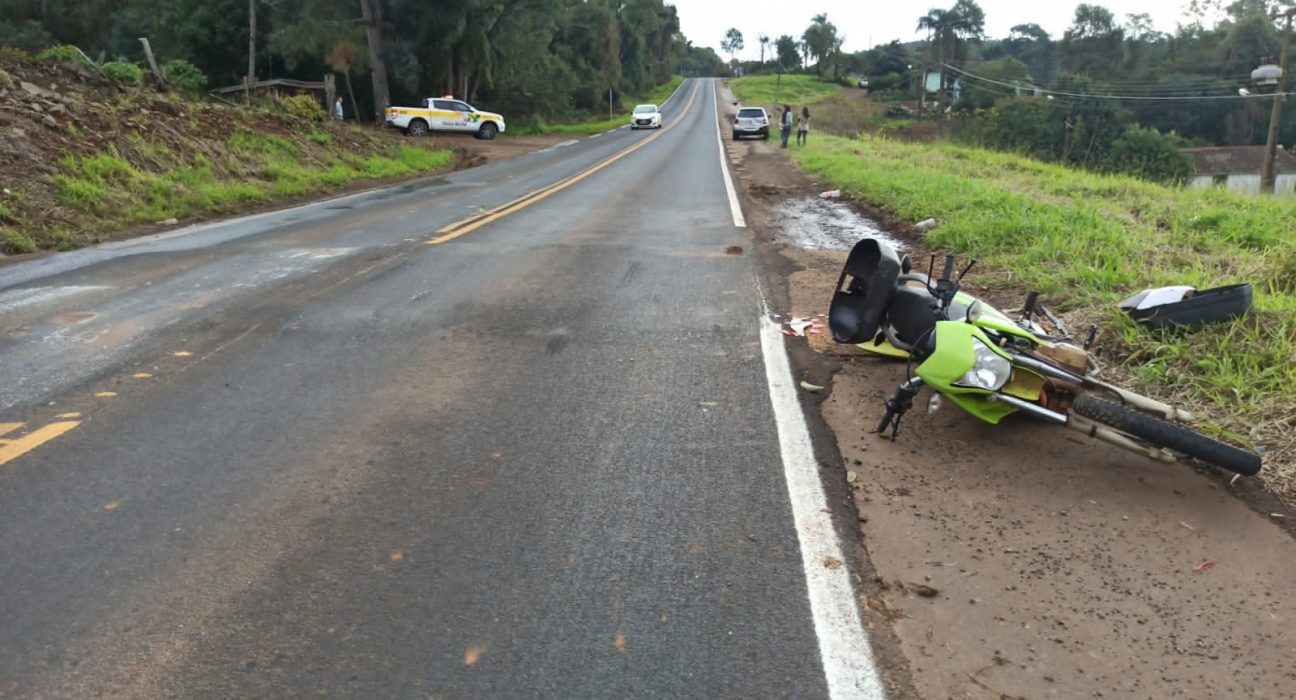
{"x": 115, "y": 191}
{"x": 596, "y": 126}
{"x": 796, "y": 90}
{"x": 1088, "y": 240}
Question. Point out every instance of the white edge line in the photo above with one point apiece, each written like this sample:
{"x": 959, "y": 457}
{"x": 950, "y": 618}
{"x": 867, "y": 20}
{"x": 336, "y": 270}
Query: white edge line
{"x": 734, "y": 207}
{"x": 844, "y": 647}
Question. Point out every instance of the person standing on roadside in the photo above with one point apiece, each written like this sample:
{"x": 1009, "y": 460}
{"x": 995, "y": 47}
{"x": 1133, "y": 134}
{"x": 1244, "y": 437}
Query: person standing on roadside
{"x": 803, "y": 126}
{"x": 785, "y": 122}
{"x": 337, "y": 109}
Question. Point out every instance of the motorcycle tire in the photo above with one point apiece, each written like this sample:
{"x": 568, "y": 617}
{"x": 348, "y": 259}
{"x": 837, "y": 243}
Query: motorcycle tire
{"x": 1166, "y": 434}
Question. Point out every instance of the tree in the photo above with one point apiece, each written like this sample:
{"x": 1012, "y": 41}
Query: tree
{"x": 951, "y": 28}
{"x": 732, "y": 42}
{"x": 371, "y": 12}
{"x": 821, "y": 41}
{"x": 785, "y": 47}
{"x": 1092, "y": 44}
{"x": 764, "y": 44}
{"x": 1033, "y": 46}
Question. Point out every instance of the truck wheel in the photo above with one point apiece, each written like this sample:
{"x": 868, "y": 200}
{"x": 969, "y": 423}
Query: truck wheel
{"x": 487, "y": 131}
{"x": 418, "y": 127}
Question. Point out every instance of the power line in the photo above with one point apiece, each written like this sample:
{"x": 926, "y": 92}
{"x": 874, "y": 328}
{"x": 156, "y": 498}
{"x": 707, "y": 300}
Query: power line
{"x": 1133, "y": 98}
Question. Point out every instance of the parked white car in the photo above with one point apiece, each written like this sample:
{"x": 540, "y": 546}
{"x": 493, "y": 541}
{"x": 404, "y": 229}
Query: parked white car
{"x": 646, "y": 117}
{"x": 445, "y": 114}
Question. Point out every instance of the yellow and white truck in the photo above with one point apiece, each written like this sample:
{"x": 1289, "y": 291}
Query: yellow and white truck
{"x": 445, "y": 114}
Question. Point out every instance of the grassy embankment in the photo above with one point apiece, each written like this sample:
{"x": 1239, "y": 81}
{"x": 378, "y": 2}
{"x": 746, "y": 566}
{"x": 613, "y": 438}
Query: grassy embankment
{"x": 657, "y": 96}
{"x": 795, "y": 90}
{"x": 254, "y": 168}
{"x": 1088, "y": 240}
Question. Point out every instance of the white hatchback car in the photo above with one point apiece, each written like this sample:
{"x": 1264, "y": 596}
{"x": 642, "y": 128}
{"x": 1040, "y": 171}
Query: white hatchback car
{"x": 646, "y": 117}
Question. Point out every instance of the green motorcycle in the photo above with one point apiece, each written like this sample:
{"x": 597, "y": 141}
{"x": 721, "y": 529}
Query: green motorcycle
{"x": 993, "y": 366}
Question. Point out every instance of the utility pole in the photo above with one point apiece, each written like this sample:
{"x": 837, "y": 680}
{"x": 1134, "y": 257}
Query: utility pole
{"x": 251, "y": 74}
{"x": 1267, "y": 175}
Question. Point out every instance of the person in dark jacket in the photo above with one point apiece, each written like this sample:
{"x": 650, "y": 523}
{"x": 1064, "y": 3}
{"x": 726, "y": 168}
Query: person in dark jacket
{"x": 785, "y": 122}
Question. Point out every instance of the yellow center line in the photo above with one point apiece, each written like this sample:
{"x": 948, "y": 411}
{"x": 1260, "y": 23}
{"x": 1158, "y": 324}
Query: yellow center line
{"x": 12, "y": 449}
{"x": 459, "y": 228}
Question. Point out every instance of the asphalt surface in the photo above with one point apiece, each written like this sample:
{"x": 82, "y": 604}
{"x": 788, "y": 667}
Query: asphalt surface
{"x": 317, "y": 456}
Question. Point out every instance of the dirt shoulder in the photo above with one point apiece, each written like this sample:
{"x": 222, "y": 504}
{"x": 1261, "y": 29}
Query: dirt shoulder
{"x": 1021, "y": 560}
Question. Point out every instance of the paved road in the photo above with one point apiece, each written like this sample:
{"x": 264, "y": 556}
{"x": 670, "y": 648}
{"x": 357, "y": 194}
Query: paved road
{"x": 309, "y": 454}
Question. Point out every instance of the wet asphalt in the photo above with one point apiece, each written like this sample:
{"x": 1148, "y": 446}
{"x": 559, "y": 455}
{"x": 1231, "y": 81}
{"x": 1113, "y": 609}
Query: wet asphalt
{"x": 317, "y": 457}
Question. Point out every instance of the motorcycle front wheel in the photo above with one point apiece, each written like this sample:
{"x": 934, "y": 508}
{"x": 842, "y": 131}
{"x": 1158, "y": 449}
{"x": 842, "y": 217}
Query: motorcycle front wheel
{"x": 1162, "y": 433}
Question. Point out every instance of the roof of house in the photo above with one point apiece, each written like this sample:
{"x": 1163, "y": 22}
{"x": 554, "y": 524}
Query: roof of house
{"x": 1237, "y": 160}
{"x": 283, "y": 82}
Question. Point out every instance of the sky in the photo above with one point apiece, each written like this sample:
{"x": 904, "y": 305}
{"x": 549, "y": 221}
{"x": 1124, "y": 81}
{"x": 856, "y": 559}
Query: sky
{"x": 867, "y": 23}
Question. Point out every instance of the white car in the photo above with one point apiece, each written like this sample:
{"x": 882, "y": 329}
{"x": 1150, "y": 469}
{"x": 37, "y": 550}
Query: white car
{"x": 646, "y": 117}
{"x": 445, "y": 114}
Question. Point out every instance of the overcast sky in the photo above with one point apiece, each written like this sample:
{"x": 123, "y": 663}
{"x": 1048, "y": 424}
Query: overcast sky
{"x": 872, "y": 22}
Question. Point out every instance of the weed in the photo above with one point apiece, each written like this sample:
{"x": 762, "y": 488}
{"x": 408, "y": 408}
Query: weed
{"x": 123, "y": 72}
{"x": 321, "y": 138}
{"x": 15, "y": 242}
{"x": 60, "y": 54}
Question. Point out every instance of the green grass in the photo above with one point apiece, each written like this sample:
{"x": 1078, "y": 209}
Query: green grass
{"x": 596, "y": 125}
{"x": 796, "y": 90}
{"x": 1088, "y": 240}
{"x": 108, "y": 188}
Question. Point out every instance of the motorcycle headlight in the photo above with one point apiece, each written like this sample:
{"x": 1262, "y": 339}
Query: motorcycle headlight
{"x": 990, "y": 370}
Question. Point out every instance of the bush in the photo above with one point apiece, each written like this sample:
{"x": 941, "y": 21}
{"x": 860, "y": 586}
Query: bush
{"x": 61, "y": 54}
{"x": 29, "y": 35}
{"x": 123, "y": 72}
{"x": 302, "y": 107}
{"x": 184, "y": 75}
{"x": 15, "y": 242}
{"x": 1151, "y": 155}
{"x": 11, "y": 54}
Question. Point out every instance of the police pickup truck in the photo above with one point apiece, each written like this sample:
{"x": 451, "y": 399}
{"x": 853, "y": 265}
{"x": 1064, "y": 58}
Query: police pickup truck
{"x": 445, "y": 114}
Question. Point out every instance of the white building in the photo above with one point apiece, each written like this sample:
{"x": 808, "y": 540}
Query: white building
{"x": 1238, "y": 169}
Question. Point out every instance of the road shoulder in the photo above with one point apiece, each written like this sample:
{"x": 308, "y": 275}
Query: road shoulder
{"x": 1015, "y": 560}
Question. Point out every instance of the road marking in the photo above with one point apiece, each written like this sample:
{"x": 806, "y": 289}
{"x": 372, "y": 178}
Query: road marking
{"x": 734, "y": 207}
{"x": 598, "y": 134}
{"x": 459, "y": 228}
{"x": 844, "y": 647}
{"x": 12, "y": 449}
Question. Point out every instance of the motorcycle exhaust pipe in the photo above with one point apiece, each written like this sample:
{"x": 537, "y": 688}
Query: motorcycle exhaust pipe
{"x": 1032, "y": 408}
{"x": 1142, "y": 403}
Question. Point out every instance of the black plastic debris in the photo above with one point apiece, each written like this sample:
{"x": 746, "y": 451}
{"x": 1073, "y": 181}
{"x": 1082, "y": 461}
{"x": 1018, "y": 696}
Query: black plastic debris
{"x": 1185, "y": 307}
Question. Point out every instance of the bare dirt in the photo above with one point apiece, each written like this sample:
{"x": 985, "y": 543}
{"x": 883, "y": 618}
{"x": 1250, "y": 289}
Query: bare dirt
{"x": 1021, "y": 560}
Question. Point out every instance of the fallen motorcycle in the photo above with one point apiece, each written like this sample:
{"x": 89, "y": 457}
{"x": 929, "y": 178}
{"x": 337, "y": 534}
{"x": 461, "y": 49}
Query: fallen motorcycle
{"x": 993, "y": 366}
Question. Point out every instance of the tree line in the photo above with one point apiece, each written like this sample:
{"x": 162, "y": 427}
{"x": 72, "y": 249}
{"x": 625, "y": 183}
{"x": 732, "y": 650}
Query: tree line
{"x": 547, "y": 59}
{"x": 1110, "y": 92}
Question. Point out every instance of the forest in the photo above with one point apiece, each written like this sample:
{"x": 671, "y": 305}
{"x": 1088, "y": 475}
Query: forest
{"x": 548, "y": 59}
{"x": 1111, "y": 93}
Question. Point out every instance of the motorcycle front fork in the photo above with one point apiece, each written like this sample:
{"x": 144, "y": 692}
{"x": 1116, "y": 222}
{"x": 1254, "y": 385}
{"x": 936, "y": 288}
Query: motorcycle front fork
{"x": 897, "y": 406}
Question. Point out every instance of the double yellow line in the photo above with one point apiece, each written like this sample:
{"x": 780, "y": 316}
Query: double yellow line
{"x": 472, "y": 223}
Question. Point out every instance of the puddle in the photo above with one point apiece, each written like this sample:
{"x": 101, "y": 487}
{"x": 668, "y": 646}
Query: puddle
{"x": 811, "y": 223}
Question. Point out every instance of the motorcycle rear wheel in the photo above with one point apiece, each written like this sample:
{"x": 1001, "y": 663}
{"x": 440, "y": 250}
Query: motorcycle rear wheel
{"x": 1166, "y": 434}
